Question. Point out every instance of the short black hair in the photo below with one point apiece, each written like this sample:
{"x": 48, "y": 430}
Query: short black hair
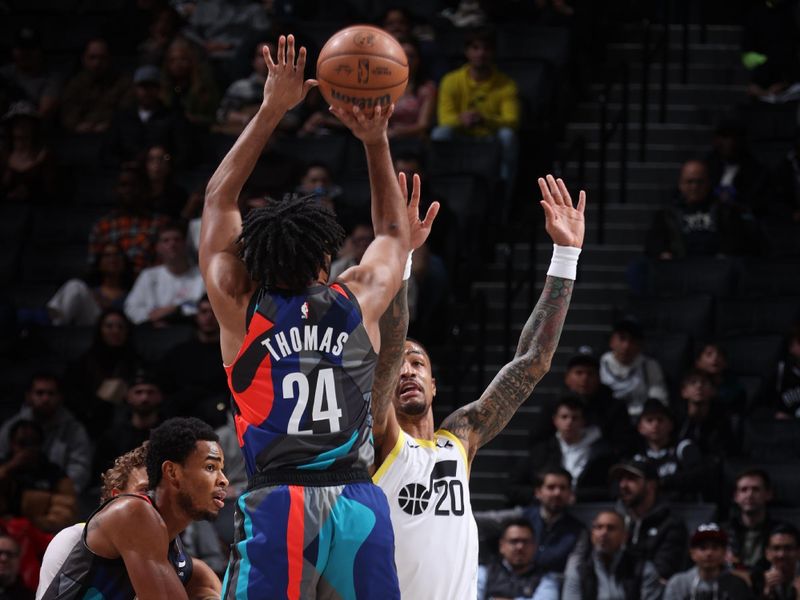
{"x": 175, "y": 440}
{"x": 572, "y": 402}
{"x": 785, "y": 529}
{"x": 289, "y": 241}
{"x": 485, "y": 34}
{"x": 43, "y": 376}
{"x": 754, "y": 472}
{"x": 556, "y": 470}
{"x": 517, "y": 522}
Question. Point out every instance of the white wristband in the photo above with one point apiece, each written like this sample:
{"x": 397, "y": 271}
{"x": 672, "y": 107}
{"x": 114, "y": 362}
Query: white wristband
{"x": 564, "y": 263}
{"x": 407, "y": 271}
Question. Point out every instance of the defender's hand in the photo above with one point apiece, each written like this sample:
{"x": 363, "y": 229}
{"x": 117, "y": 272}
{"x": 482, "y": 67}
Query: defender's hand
{"x": 285, "y": 85}
{"x": 419, "y": 230}
{"x": 563, "y": 222}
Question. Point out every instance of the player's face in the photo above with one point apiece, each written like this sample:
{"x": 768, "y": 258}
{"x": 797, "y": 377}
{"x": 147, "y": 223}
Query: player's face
{"x": 708, "y": 554}
{"x": 416, "y": 387}
{"x": 608, "y": 533}
{"x": 751, "y": 494}
{"x": 583, "y": 380}
{"x": 202, "y": 484}
{"x": 517, "y": 546}
{"x": 782, "y": 552}
{"x": 554, "y": 494}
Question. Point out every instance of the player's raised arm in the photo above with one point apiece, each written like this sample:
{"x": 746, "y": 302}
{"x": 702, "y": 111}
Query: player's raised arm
{"x": 478, "y": 422}
{"x": 225, "y": 276}
{"x": 393, "y": 328}
{"x": 377, "y": 278}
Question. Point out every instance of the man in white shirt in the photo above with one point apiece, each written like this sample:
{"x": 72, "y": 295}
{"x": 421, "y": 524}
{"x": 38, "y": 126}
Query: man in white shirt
{"x": 170, "y": 290}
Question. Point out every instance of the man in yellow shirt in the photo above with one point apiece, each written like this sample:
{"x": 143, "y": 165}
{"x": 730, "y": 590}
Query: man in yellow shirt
{"x": 479, "y": 101}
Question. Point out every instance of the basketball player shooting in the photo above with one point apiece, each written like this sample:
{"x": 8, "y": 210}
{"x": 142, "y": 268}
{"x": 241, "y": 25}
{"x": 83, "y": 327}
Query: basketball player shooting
{"x": 300, "y": 354}
{"x": 425, "y": 472}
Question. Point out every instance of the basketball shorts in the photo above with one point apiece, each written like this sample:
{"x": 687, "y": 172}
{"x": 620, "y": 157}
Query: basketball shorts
{"x": 327, "y": 543}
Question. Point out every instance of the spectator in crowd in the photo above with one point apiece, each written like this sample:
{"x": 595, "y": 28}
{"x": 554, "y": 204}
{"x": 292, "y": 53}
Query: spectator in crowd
{"x": 243, "y": 98}
{"x": 29, "y": 170}
{"x": 80, "y": 302}
{"x": 317, "y": 119}
{"x": 777, "y": 577}
{"x": 188, "y": 85}
{"x": 600, "y": 408}
{"x": 656, "y": 537}
{"x": 709, "y": 578}
{"x": 191, "y": 373}
{"x": 359, "y": 236}
{"x": 144, "y": 402}
{"x": 96, "y": 383}
{"x": 705, "y": 423}
{"x": 164, "y": 25}
{"x": 66, "y": 443}
{"x": 512, "y": 574}
{"x": 168, "y": 292}
{"x": 750, "y": 524}
{"x": 400, "y": 22}
{"x": 94, "y": 93}
{"x": 606, "y": 568}
{"x": 413, "y": 111}
{"x": 11, "y": 586}
{"x": 165, "y": 196}
{"x": 132, "y": 225}
{"x": 632, "y": 376}
{"x": 736, "y": 176}
{"x": 33, "y": 487}
{"x": 788, "y": 380}
{"x": 576, "y": 447}
{"x": 769, "y": 48}
{"x": 479, "y": 101}
{"x": 147, "y": 123}
{"x": 317, "y": 179}
{"x": 557, "y": 531}
{"x": 697, "y": 224}
{"x": 682, "y": 472}
{"x": 788, "y": 179}
{"x": 713, "y": 361}
{"x": 28, "y": 78}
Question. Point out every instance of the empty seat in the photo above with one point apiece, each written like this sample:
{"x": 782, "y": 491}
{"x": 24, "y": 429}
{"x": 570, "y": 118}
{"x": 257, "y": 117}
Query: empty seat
{"x": 770, "y": 278}
{"x": 786, "y": 515}
{"x": 765, "y": 316}
{"x": 96, "y": 189}
{"x": 153, "y": 343}
{"x": 771, "y": 441}
{"x": 534, "y": 84}
{"x": 68, "y": 343}
{"x": 701, "y": 275}
{"x": 671, "y": 350}
{"x": 480, "y": 158}
{"x": 686, "y": 314}
{"x": 525, "y": 41}
{"x": 782, "y": 238}
{"x": 64, "y": 225}
{"x": 753, "y": 354}
{"x": 79, "y": 150}
{"x": 53, "y": 264}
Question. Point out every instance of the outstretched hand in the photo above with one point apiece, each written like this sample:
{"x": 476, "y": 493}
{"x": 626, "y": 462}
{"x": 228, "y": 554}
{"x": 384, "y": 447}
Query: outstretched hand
{"x": 564, "y": 222}
{"x": 419, "y": 230}
{"x": 369, "y": 129}
{"x": 285, "y": 85}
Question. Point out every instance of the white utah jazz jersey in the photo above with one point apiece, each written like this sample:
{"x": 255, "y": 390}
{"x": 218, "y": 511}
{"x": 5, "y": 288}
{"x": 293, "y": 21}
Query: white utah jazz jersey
{"x": 435, "y": 535}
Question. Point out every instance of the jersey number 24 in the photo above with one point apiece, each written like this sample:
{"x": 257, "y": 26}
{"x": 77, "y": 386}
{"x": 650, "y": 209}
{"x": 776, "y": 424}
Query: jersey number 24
{"x": 325, "y": 408}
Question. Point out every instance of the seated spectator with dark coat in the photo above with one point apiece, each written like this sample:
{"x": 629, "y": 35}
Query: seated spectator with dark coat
{"x": 66, "y": 443}
{"x": 656, "y": 538}
{"x": 29, "y": 77}
{"x": 777, "y": 577}
{"x": 94, "y": 93}
{"x": 147, "y": 123}
{"x": 11, "y": 586}
{"x": 606, "y": 569}
{"x": 705, "y": 423}
{"x": 788, "y": 386}
{"x": 28, "y": 169}
{"x": 512, "y": 574}
{"x": 33, "y": 487}
{"x": 749, "y": 527}
{"x": 558, "y": 532}
{"x": 713, "y": 361}
{"x": 697, "y": 224}
{"x": 709, "y": 578}
{"x": 577, "y": 448}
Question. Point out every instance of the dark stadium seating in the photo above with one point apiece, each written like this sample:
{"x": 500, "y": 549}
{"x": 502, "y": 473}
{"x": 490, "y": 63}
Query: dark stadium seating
{"x": 68, "y": 343}
{"x": 329, "y": 150}
{"x": 685, "y": 314}
{"x": 671, "y": 350}
{"x": 767, "y": 278}
{"x": 771, "y": 441}
{"x": 739, "y": 316}
{"x": 753, "y": 354}
{"x": 152, "y": 343}
{"x": 714, "y": 276}
{"x": 481, "y": 158}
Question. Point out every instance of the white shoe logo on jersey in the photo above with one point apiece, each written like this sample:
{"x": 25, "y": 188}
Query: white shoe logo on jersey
{"x": 304, "y": 310}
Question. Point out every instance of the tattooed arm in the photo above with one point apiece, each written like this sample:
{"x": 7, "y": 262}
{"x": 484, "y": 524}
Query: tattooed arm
{"x": 478, "y": 422}
{"x": 393, "y": 328}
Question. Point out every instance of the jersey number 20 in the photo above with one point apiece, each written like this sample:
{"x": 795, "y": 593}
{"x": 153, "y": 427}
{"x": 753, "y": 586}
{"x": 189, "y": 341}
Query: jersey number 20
{"x": 325, "y": 408}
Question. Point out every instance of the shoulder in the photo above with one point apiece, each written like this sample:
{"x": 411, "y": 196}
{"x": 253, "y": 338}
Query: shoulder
{"x": 132, "y": 513}
{"x": 454, "y": 76}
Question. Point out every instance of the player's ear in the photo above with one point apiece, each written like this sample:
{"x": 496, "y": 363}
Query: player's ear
{"x": 169, "y": 471}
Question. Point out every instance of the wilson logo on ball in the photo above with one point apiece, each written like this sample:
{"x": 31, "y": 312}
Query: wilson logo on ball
{"x": 370, "y": 102}
{"x": 346, "y": 69}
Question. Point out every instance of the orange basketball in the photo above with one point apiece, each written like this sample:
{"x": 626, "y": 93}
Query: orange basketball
{"x": 362, "y": 65}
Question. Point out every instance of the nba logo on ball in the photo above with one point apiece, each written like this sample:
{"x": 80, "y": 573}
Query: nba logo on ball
{"x": 362, "y": 66}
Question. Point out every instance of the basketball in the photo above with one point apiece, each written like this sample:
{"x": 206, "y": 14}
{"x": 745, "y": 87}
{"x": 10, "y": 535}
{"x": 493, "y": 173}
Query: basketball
{"x": 364, "y": 66}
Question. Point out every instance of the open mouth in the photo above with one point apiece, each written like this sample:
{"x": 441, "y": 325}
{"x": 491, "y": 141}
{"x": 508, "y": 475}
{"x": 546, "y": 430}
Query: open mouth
{"x": 409, "y": 389}
{"x": 219, "y": 499}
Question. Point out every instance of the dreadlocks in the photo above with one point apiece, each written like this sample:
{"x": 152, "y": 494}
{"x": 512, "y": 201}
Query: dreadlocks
{"x": 287, "y": 241}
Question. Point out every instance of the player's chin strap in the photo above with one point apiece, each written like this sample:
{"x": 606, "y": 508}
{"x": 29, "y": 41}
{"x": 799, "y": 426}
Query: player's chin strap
{"x": 564, "y": 263}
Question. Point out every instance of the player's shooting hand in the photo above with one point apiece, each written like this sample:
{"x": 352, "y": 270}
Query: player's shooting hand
{"x": 564, "y": 222}
{"x": 369, "y": 129}
{"x": 285, "y": 85}
{"x": 419, "y": 230}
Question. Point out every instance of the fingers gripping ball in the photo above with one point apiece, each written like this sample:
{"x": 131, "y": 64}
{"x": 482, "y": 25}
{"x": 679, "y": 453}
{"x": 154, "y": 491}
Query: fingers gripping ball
{"x": 362, "y": 65}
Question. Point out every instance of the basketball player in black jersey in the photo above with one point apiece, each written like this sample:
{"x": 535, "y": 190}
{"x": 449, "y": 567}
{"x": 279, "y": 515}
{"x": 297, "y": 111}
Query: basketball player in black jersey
{"x": 129, "y": 543}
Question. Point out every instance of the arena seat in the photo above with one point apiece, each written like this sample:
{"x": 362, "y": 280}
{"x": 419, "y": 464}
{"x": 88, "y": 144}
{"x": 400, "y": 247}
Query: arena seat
{"x": 771, "y": 441}
{"x": 766, "y": 278}
{"x": 686, "y": 314}
{"x": 68, "y": 343}
{"x": 64, "y": 225}
{"x": 671, "y": 350}
{"x": 786, "y": 515}
{"x": 753, "y": 354}
{"x": 481, "y": 158}
{"x": 738, "y": 316}
{"x": 534, "y": 42}
{"x": 152, "y": 343}
{"x": 715, "y": 276}
{"x": 535, "y": 84}
{"x": 53, "y": 263}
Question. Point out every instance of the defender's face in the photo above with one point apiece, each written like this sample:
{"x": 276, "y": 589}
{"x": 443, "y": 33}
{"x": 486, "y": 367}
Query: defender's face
{"x": 202, "y": 484}
{"x": 416, "y": 387}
